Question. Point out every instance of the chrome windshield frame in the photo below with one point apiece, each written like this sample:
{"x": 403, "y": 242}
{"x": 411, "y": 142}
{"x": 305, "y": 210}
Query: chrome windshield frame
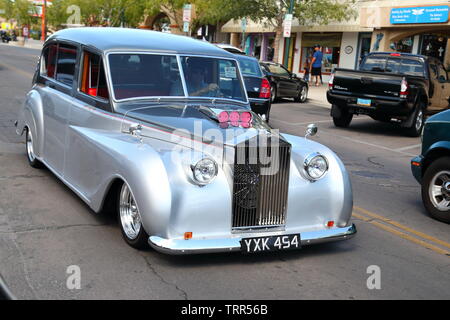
{"x": 178, "y": 56}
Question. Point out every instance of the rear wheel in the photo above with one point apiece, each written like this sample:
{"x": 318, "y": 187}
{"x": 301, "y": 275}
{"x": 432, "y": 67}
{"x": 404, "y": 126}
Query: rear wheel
{"x": 130, "y": 219}
{"x": 302, "y": 95}
{"x": 273, "y": 93}
{"x": 417, "y": 125}
{"x": 436, "y": 189}
{"x": 342, "y": 119}
{"x": 29, "y": 145}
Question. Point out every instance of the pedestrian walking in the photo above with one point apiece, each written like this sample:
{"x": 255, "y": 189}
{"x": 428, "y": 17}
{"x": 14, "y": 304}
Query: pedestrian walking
{"x": 316, "y": 65}
{"x": 306, "y": 68}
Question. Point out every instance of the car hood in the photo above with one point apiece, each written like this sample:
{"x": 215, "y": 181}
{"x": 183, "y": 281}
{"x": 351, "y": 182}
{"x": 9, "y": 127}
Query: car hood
{"x": 198, "y": 121}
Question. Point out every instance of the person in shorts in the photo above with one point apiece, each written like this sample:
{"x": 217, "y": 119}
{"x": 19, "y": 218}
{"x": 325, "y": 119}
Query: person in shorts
{"x": 316, "y": 65}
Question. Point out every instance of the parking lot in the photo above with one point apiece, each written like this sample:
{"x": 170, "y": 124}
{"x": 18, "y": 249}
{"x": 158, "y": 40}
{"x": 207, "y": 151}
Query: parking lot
{"x": 45, "y": 228}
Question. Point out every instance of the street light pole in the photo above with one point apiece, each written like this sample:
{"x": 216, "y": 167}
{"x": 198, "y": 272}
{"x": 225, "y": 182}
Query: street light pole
{"x": 288, "y": 40}
{"x": 44, "y": 21}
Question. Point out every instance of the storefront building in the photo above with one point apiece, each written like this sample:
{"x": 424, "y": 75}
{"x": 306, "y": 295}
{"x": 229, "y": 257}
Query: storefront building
{"x": 411, "y": 26}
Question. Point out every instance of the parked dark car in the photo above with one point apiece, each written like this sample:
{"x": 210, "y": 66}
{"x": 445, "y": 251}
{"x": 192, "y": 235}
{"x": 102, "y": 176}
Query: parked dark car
{"x": 432, "y": 167}
{"x": 283, "y": 83}
{"x": 256, "y": 84}
{"x": 390, "y": 87}
{"x": 5, "y": 36}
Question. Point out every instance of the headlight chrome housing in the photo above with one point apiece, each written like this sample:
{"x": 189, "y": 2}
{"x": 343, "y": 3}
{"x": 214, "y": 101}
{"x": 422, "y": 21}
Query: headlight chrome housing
{"x": 204, "y": 171}
{"x": 316, "y": 166}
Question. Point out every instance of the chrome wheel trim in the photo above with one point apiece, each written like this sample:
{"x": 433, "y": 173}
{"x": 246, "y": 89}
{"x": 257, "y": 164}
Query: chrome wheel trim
{"x": 419, "y": 120}
{"x": 129, "y": 213}
{"x": 29, "y": 146}
{"x": 439, "y": 190}
{"x": 303, "y": 94}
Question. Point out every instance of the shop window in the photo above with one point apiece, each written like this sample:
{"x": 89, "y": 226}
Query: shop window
{"x": 65, "y": 66}
{"x": 405, "y": 45}
{"x": 93, "y": 82}
{"x": 434, "y": 46}
{"x": 48, "y": 61}
{"x": 330, "y": 45}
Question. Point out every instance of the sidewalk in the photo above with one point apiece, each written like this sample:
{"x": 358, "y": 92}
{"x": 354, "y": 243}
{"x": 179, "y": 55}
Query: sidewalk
{"x": 29, "y": 43}
{"x": 318, "y": 95}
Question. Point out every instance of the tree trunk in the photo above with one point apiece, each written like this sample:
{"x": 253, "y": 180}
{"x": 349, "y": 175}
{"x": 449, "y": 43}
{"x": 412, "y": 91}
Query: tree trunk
{"x": 277, "y": 43}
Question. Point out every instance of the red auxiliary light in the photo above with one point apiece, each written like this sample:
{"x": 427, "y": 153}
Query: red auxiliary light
{"x": 223, "y": 117}
{"x": 396, "y": 54}
{"x": 265, "y": 89}
{"x": 330, "y": 224}
{"x": 235, "y": 116}
{"x": 246, "y": 117}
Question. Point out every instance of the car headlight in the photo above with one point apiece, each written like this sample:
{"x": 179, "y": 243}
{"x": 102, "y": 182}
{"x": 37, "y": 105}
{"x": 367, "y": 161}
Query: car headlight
{"x": 204, "y": 171}
{"x": 316, "y": 166}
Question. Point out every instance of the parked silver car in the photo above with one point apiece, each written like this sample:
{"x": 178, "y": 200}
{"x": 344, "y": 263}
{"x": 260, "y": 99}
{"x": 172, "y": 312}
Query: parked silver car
{"x": 158, "y": 129}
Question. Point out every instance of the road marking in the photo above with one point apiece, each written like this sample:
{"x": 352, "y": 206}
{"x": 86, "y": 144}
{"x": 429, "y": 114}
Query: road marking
{"x": 15, "y": 69}
{"x": 405, "y": 228}
{"x": 372, "y": 217}
{"x": 409, "y": 147}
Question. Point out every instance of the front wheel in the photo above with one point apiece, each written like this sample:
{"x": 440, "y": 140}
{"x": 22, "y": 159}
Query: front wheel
{"x": 130, "y": 219}
{"x": 436, "y": 189}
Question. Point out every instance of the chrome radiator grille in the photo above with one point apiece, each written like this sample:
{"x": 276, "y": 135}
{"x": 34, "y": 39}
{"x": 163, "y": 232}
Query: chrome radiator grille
{"x": 260, "y": 186}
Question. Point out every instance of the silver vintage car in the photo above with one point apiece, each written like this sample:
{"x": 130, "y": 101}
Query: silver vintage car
{"x": 157, "y": 128}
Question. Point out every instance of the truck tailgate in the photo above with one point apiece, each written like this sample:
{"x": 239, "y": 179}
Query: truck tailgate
{"x": 367, "y": 84}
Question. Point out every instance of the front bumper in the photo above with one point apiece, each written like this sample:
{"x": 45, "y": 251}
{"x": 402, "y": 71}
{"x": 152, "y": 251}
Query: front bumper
{"x": 197, "y": 246}
{"x": 416, "y": 168}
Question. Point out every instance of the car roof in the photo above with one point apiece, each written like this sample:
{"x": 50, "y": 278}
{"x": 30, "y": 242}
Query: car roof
{"x": 117, "y": 39}
{"x": 402, "y": 54}
{"x": 244, "y": 57}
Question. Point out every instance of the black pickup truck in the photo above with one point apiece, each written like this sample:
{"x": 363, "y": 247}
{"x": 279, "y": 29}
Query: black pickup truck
{"x": 390, "y": 87}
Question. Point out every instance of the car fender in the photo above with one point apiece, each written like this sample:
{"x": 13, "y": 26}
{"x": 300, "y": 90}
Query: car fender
{"x": 333, "y": 193}
{"x": 31, "y": 115}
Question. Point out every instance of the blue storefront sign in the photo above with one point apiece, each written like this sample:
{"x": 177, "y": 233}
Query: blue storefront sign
{"x": 434, "y": 14}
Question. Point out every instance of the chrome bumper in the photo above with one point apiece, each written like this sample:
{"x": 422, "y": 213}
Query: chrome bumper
{"x": 197, "y": 246}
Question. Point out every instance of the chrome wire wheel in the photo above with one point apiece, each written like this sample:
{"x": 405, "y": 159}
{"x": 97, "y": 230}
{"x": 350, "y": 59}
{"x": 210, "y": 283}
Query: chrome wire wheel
{"x": 439, "y": 190}
{"x": 29, "y": 146}
{"x": 129, "y": 213}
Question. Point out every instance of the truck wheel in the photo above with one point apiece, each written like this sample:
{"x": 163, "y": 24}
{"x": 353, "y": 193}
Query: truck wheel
{"x": 436, "y": 189}
{"x": 130, "y": 219}
{"x": 342, "y": 119}
{"x": 419, "y": 120}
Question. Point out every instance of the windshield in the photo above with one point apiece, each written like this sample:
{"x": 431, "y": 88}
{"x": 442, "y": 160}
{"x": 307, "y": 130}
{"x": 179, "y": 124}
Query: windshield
{"x": 250, "y": 67}
{"x": 211, "y": 77}
{"x": 154, "y": 75}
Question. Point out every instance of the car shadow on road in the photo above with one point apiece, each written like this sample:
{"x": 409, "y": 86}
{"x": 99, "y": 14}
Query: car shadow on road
{"x": 219, "y": 259}
{"x": 373, "y": 127}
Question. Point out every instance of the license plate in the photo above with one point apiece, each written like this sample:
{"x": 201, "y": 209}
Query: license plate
{"x": 364, "y": 102}
{"x": 273, "y": 243}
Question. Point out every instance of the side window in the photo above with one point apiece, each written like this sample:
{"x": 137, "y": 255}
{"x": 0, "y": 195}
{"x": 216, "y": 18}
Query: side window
{"x": 48, "y": 61}
{"x": 93, "y": 79}
{"x": 65, "y": 66}
{"x": 433, "y": 71}
{"x": 442, "y": 74}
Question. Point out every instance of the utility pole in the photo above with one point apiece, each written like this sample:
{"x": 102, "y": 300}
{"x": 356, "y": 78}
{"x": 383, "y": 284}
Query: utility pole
{"x": 287, "y": 47}
{"x": 44, "y": 21}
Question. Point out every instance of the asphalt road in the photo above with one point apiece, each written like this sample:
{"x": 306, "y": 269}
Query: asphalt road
{"x": 45, "y": 228}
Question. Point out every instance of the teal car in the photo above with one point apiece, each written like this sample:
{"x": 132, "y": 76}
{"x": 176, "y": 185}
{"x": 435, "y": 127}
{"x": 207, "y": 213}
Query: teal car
{"x": 432, "y": 167}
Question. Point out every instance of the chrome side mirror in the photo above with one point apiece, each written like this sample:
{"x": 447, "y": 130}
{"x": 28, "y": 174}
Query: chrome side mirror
{"x": 311, "y": 130}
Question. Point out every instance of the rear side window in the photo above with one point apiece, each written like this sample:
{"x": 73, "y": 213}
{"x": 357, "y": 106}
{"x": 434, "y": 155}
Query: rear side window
{"x": 65, "y": 65}
{"x": 93, "y": 79}
{"x": 48, "y": 61}
{"x": 374, "y": 63}
{"x": 250, "y": 67}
